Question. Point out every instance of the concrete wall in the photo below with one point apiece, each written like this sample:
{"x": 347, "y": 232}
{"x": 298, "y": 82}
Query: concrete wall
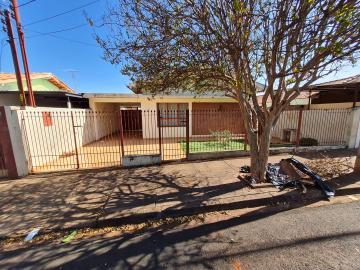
{"x": 106, "y": 121}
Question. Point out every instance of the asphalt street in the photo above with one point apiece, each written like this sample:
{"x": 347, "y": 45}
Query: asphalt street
{"x": 326, "y": 237}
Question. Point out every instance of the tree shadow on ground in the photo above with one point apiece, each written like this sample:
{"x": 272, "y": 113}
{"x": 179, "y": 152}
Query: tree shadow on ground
{"x": 83, "y": 198}
{"x": 173, "y": 245}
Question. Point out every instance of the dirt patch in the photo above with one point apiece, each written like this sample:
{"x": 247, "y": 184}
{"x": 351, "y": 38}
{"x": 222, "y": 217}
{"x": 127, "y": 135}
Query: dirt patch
{"x": 329, "y": 167}
{"x": 16, "y": 242}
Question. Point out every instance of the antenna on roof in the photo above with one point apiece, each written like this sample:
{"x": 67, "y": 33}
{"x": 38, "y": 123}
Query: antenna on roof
{"x": 72, "y": 73}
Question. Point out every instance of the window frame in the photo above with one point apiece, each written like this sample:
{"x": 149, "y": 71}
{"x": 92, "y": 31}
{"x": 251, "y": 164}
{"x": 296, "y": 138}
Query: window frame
{"x": 177, "y": 118}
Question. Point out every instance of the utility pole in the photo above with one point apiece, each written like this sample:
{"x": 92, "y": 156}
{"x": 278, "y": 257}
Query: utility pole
{"x": 11, "y": 41}
{"x": 15, "y": 8}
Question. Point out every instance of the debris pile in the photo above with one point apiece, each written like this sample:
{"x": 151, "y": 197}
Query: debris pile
{"x": 247, "y": 179}
{"x": 291, "y": 173}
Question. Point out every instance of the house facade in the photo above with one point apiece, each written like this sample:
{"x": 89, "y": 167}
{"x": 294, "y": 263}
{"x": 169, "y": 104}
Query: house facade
{"x": 141, "y": 108}
{"x": 122, "y": 128}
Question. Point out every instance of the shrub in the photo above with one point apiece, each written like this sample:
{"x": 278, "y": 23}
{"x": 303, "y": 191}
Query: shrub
{"x": 308, "y": 142}
{"x": 222, "y": 136}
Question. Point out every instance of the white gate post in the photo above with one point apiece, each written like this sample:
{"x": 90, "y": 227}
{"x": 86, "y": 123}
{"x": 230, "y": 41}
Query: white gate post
{"x": 17, "y": 144}
{"x": 357, "y": 142}
{"x": 354, "y": 129}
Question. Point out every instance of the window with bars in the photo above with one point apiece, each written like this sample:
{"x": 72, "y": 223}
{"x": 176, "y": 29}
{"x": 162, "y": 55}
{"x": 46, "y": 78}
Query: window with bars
{"x": 173, "y": 114}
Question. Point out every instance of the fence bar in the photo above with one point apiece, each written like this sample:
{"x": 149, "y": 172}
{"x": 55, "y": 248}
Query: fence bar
{"x": 187, "y": 134}
{"x": 159, "y": 129}
{"x": 74, "y": 134}
{"x": 121, "y": 127}
{"x": 298, "y": 131}
{"x": 245, "y": 141}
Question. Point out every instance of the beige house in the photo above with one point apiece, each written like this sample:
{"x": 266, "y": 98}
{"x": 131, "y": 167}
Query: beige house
{"x": 119, "y": 128}
{"x": 173, "y": 109}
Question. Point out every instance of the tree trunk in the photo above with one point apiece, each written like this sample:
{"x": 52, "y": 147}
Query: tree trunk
{"x": 357, "y": 162}
{"x": 259, "y": 150}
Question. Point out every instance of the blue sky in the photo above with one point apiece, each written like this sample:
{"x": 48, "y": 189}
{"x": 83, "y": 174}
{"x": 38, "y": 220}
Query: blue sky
{"x": 74, "y": 50}
{"x": 73, "y": 55}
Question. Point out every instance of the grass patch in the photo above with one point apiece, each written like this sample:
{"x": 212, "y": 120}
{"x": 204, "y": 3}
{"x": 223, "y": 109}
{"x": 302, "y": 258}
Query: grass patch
{"x": 272, "y": 145}
{"x": 216, "y": 146}
{"x": 213, "y": 146}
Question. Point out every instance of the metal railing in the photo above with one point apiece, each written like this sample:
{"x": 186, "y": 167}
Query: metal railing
{"x": 72, "y": 139}
{"x": 326, "y": 127}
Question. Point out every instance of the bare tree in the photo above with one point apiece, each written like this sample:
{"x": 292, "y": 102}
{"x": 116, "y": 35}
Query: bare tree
{"x": 229, "y": 46}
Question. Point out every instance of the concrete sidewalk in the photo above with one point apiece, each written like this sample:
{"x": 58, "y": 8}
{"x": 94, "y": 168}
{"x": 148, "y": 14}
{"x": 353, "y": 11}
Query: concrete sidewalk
{"x": 82, "y": 198}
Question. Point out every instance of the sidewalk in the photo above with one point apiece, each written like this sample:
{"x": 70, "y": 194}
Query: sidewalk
{"x": 85, "y": 198}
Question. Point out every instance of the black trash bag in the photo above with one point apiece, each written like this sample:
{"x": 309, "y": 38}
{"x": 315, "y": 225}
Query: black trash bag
{"x": 250, "y": 179}
{"x": 245, "y": 169}
{"x": 327, "y": 190}
{"x": 278, "y": 179}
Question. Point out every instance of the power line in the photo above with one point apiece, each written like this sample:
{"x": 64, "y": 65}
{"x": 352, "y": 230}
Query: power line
{"x": 65, "y": 29}
{"x": 26, "y": 3}
{"x": 62, "y": 13}
{"x": 58, "y": 31}
{"x": 63, "y": 38}
{"x": 21, "y": 5}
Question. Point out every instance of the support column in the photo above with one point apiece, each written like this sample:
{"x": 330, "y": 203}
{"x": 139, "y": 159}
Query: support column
{"x": 298, "y": 130}
{"x": 12, "y": 144}
{"x": 187, "y": 134}
{"x": 353, "y": 128}
{"x": 356, "y": 93}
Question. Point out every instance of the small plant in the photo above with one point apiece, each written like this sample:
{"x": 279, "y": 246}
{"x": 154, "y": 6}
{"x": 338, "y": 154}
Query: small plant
{"x": 223, "y": 137}
{"x": 308, "y": 142}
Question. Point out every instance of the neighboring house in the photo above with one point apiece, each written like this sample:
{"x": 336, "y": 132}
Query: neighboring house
{"x": 49, "y": 91}
{"x": 338, "y": 94}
